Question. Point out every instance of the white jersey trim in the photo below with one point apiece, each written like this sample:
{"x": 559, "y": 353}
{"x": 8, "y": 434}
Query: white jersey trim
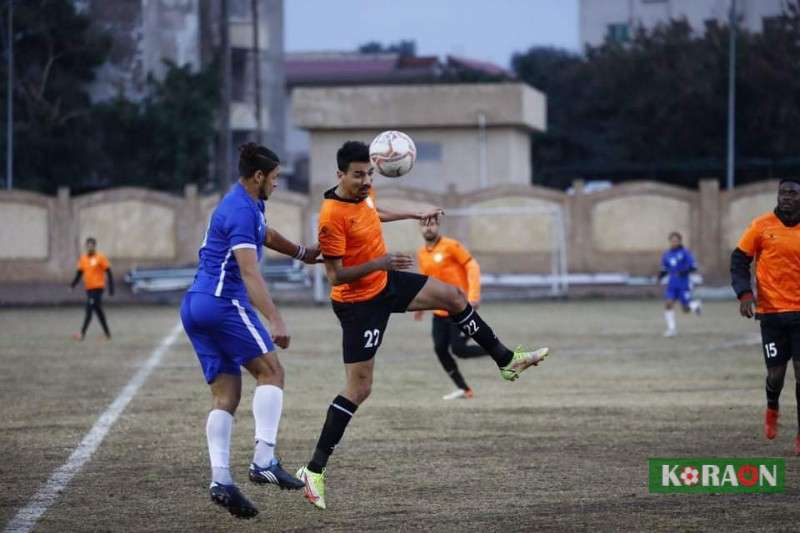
{"x": 250, "y": 327}
{"x": 218, "y": 292}
{"x": 244, "y": 245}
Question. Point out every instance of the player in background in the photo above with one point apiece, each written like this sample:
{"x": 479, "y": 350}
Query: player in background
{"x": 447, "y": 260}
{"x": 367, "y": 285}
{"x": 773, "y": 240}
{"x": 218, "y": 314}
{"x": 93, "y": 266}
{"x": 677, "y": 264}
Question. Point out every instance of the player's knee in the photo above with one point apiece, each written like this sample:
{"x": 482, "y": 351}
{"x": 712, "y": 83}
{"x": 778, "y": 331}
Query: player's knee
{"x": 270, "y": 373}
{"x": 228, "y": 402}
{"x": 360, "y": 388}
{"x": 456, "y": 299}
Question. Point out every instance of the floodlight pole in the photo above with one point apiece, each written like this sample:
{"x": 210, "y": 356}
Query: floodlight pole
{"x": 10, "y": 101}
{"x": 731, "y": 97}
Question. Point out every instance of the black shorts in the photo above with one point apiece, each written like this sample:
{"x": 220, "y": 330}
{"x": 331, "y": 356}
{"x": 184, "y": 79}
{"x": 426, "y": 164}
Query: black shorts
{"x": 780, "y": 338}
{"x": 363, "y": 323}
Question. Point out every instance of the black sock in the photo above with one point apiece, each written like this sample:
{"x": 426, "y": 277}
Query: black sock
{"x": 340, "y": 412}
{"x": 774, "y": 387}
{"x": 86, "y": 319}
{"x": 102, "y": 316}
{"x": 458, "y": 379}
{"x": 471, "y": 323}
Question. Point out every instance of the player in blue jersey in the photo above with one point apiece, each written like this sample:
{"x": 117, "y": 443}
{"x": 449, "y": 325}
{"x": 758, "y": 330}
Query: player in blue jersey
{"x": 677, "y": 264}
{"x": 218, "y": 314}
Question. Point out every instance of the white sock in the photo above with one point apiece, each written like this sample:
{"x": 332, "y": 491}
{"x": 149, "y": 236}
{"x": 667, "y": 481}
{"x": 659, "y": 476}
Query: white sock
{"x": 694, "y": 305}
{"x": 218, "y": 432}
{"x": 669, "y": 316}
{"x": 267, "y": 407}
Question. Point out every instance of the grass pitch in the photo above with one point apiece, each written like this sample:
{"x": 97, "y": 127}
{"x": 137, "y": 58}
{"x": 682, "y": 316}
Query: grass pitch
{"x": 565, "y": 447}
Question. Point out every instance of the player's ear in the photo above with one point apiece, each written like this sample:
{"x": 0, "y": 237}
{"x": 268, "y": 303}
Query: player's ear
{"x": 339, "y": 174}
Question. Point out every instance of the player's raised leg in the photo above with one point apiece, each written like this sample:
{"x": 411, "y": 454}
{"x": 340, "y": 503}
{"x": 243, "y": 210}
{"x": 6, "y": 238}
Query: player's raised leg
{"x": 438, "y": 295}
{"x": 267, "y": 408}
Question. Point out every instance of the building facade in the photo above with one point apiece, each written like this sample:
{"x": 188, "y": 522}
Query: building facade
{"x": 145, "y": 33}
{"x": 468, "y": 136}
{"x": 618, "y": 20}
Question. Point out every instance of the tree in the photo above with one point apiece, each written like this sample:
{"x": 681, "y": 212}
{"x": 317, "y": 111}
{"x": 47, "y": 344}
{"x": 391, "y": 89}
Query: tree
{"x": 656, "y": 107}
{"x": 162, "y": 142}
{"x": 55, "y": 54}
{"x": 405, "y": 48}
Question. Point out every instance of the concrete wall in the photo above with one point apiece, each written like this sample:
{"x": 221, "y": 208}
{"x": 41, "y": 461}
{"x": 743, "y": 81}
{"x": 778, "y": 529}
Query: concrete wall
{"x": 41, "y": 237}
{"x": 622, "y": 229}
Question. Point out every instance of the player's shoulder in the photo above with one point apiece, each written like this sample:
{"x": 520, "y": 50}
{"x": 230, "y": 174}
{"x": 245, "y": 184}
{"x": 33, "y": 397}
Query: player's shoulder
{"x": 765, "y": 220}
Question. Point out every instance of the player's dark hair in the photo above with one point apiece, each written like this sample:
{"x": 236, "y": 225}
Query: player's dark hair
{"x": 352, "y": 152}
{"x": 676, "y": 234}
{"x": 254, "y": 157}
{"x": 91, "y": 240}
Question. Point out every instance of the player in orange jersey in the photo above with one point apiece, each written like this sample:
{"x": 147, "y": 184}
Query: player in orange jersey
{"x": 773, "y": 240}
{"x": 93, "y": 266}
{"x": 447, "y": 260}
{"x": 368, "y": 285}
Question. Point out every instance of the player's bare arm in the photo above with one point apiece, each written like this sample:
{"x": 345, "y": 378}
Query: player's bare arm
{"x": 339, "y": 274}
{"x": 275, "y": 241}
{"x": 259, "y": 295}
{"x": 740, "y": 274}
{"x": 425, "y": 215}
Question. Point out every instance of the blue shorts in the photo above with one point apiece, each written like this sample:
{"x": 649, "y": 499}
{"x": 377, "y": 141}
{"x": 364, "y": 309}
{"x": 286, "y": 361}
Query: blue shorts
{"x": 680, "y": 293}
{"x": 225, "y": 333}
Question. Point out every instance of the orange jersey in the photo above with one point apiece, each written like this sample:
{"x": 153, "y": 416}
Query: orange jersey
{"x": 447, "y": 260}
{"x": 776, "y": 250}
{"x": 351, "y": 230}
{"x": 94, "y": 269}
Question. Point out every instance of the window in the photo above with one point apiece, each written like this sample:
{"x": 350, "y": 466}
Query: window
{"x": 427, "y": 151}
{"x": 618, "y": 33}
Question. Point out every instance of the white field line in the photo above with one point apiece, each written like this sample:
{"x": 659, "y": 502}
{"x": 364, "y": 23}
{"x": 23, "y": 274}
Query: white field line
{"x": 47, "y": 495}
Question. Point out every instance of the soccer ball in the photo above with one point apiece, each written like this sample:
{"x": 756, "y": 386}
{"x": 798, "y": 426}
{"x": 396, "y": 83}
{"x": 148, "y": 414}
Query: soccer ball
{"x": 393, "y": 153}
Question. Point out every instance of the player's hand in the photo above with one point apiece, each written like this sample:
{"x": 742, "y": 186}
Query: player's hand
{"x": 280, "y": 335}
{"x": 395, "y": 261}
{"x": 475, "y": 305}
{"x": 418, "y": 315}
{"x": 311, "y": 255}
{"x": 431, "y": 214}
{"x": 746, "y": 307}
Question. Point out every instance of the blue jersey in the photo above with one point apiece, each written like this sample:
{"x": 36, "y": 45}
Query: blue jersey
{"x": 678, "y": 263}
{"x": 237, "y": 222}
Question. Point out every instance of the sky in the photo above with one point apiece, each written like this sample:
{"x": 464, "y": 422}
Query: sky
{"x": 490, "y": 30}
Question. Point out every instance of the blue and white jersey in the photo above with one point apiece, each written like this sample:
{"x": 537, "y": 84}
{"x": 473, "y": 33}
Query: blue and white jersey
{"x": 678, "y": 263}
{"x": 237, "y": 222}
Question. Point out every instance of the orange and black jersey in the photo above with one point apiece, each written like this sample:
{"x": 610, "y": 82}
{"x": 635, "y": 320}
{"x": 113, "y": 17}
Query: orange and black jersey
{"x": 447, "y": 260}
{"x": 350, "y": 230}
{"x": 776, "y": 249}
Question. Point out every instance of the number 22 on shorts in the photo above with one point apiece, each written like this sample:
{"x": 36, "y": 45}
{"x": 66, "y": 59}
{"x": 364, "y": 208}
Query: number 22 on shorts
{"x": 373, "y": 337}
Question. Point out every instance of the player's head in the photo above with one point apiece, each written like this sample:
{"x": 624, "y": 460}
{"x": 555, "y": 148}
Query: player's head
{"x": 429, "y": 229}
{"x": 91, "y": 245}
{"x": 259, "y": 168}
{"x": 675, "y": 240}
{"x": 789, "y": 197}
{"x": 355, "y": 171}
